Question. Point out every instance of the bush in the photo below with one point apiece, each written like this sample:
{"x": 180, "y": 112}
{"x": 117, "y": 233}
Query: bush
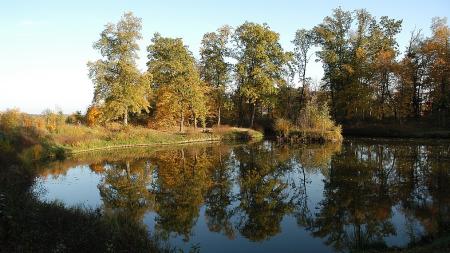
{"x": 93, "y": 116}
{"x": 283, "y": 127}
{"x": 315, "y": 116}
{"x": 54, "y": 120}
{"x": 10, "y": 119}
{"x": 75, "y": 118}
{"x": 314, "y": 125}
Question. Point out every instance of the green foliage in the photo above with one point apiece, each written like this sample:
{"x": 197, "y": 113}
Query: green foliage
{"x": 259, "y": 67}
{"x": 119, "y": 86}
{"x": 214, "y": 69}
{"x": 358, "y": 56}
{"x": 304, "y": 40}
{"x": 75, "y": 118}
{"x": 25, "y": 137}
{"x": 54, "y": 120}
{"x": 313, "y": 125}
{"x": 10, "y": 119}
{"x": 180, "y": 91}
{"x": 316, "y": 116}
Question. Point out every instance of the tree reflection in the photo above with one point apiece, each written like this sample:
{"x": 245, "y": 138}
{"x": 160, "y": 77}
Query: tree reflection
{"x": 249, "y": 189}
{"x": 356, "y": 210}
{"x": 367, "y": 181}
{"x": 263, "y": 196}
{"x": 306, "y": 161}
{"x": 124, "y": 187}
{"x": 219, "y": 197}
{"x": 180, "y": 188}
{"x": 427, "y": 196}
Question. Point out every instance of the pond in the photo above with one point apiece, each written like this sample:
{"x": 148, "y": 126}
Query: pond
{"x": 267, "y": 197}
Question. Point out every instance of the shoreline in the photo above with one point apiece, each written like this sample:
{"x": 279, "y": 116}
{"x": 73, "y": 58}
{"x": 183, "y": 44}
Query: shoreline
{"x": 150, "y": 138}
{"x": 393, "y": 133}
{"x": 125, "y": 146}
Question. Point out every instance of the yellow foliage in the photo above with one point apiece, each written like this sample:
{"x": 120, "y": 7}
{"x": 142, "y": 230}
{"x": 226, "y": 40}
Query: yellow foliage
{"x": 93, "y": 115}
{"x": 11, "y": 119}
{"x": 360, "y": 53}
{"x": 283, "y": 126}
{"x": 349, "y": 69}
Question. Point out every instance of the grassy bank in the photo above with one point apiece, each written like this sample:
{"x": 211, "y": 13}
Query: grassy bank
{"x": 75, "y": 139}
{"x": 34, "y": 137}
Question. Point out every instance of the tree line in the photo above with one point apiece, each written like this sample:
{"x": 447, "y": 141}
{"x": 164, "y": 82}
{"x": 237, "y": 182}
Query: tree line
{"x": 244, "y": 76}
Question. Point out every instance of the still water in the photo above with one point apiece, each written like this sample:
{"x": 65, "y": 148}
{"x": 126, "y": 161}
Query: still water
{"x": 266, "y": 197}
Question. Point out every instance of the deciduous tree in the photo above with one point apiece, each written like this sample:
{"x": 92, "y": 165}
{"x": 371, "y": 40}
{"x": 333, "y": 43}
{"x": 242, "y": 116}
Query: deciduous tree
{"x": 214, "y": 68}
{"x": 179, "y": 89}
{"x": 118, "y": 85}
{"x": 259, "y": 68}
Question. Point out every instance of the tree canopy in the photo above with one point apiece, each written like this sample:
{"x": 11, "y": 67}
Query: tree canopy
{"x": 119, "y": 87}
{"x": 243, "y": 75}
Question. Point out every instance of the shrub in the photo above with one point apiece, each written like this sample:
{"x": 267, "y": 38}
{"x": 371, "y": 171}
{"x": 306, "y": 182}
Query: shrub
{"x": 10, "y": 119}
{"x": 54, "y": 120}
{"x": 283, "y": 127}
{"x": 93, "y": 116}
{"x": 75, "y": 118}
{"x": 315, "y": 116}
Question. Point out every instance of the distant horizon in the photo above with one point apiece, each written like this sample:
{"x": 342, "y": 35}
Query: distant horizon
{"x": 47, "y": 44}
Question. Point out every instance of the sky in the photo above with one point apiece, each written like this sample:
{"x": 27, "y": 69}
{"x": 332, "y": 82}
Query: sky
{"x": 45, "y": 45}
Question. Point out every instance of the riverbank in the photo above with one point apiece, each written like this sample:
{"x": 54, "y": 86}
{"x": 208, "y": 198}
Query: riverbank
{"x": 77, "y": 139}
{"x": 377, "y": 130}
{"x": 72, "y": 139}
{"x": 311, "y": 136}
{"x": 28, "y": 224}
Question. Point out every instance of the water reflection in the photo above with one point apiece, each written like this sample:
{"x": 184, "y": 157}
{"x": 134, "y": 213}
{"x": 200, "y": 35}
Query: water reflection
{"x": 374, "y": 195}
{"x": 124, "y": 187}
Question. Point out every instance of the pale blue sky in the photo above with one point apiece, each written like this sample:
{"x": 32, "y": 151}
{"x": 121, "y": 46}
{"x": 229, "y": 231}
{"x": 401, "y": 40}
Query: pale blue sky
{"x": 45, "y": 44}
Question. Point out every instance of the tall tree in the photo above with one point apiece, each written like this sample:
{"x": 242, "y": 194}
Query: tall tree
{"x": 382, "y": 53}
{"x": 259, "y": 68}
{"x": 413, "y": 68}
{"x": 303, "y": 43}
{"x": 333, "y": 37}
{"x": 119, "y": 86}
{"x": 214, "y": 69}
{"x": 358, "y": 55}
{"x": 180, "y": 91}
{"x": 437, "y": 51}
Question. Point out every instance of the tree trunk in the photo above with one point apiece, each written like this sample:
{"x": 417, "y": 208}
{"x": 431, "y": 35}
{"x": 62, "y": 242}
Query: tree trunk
{"x": 125, "y": 118}
{"x": 181, "y": 121}
{"x": 195, "y": 122}
{"x": 253, "y": 115}
{"x": 241, "y": 114}
{"x": 218, "y": 118}
{"x": 128, "y": 169}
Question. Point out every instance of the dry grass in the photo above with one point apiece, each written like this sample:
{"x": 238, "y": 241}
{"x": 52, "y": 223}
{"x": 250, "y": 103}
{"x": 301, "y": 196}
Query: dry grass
{"x": 80, "y": 138}
{"x": 35, "y": 130}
